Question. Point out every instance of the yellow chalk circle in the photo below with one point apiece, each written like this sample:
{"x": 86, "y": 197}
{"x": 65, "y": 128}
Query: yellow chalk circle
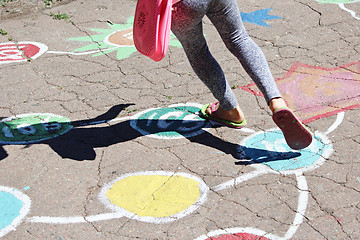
{"x": 154, "y": 195}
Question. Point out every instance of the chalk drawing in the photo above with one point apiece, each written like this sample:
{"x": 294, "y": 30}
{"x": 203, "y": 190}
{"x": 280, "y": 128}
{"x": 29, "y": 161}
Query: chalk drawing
{"x": 174, "y": 122}
{"x": 278, "y": 158}
{"x": 119, "y": 37}
{"x": 166, "y": 197}
{"x": 317, "y": 92}
{"x": 153, "y": 196}
{"x": 311, "y": 157}
{"x": 14, "y": 207}
{"x": 258, "y": 17}
{"x": 237, "y": 234}
{"x": 116, "y": 38}
{"x": 31, "y": 128}
{"x": 20, "y": 52}
{"x": 254, "y": 234}
{"x": 161, "y": 197}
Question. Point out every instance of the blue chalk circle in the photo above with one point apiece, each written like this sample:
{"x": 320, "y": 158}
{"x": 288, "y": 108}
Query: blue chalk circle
{"x": 269, "y": 148}
{"x": 14, "y": 205}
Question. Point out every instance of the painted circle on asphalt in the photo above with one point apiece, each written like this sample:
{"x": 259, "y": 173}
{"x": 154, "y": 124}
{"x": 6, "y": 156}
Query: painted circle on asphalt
{"x": 238, "y": 233}
{"x": 120, "y": 38}
{"x": 237, "y": 236}
{"x": 14, "y": 206}
{"x": 31, "y": 128}
{"x": 269, "y": 148}
{"x": 174, "y": 122}
{"x": 156, "y": 197}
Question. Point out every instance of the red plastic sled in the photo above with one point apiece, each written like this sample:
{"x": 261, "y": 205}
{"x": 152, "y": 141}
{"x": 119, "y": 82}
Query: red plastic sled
{"x": 151, "y": 27}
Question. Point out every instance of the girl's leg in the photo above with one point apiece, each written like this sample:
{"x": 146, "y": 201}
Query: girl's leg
{"x": 187, "y": 26}
{"x": 225, "y": 15}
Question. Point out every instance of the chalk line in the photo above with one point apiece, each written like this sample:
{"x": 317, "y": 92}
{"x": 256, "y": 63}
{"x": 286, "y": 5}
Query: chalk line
{"x": 342, "y": 6}
{"x": 246, "y": 130}
{"x": 120, "y": 119}
{"x": 302, "y": 205}
{"x": 81, "y": 53}
{"x": 242, "y": 178}
{"x": 76, "y": 219}
{"x": 338, "y": 121}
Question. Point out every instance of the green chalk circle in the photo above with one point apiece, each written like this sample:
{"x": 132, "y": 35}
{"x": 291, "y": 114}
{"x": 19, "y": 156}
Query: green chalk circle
{"x": 173, "y": 122}
{"x": 31, "y": 128}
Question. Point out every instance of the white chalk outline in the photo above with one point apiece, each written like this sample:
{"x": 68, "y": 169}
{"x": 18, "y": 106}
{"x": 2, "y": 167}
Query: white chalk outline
{"x": 260, "y": 170}
{"x": 353, "y": 14}
{"x": 298, "y": 220}
{"x": 23, "y": 212}
{"x": 302, "y": 205}
{"x": 339, "y": 119}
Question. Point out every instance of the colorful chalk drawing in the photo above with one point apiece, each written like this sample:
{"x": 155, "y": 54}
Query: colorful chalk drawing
{"x": 237, "y": 234}
{"x": 173, "y": 122}
{"x": 14, "y": 207}
{"x": 161, "y": 197}
{"x": 118, "y": 37}
{"x": 317, "y": 92}
{"x": 31, "y": 128}
{"x": 258, "y": 17}
{"x": 273, "y": 140}
{"x": 170, "y": 196}
{"x": 156, "y": 197}
{"x": 21, "y": 52}
{"x": 341, "y": 4}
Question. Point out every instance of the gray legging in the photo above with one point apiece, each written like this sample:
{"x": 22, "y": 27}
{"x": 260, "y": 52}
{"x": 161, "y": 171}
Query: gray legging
{"x": 225, "y": 15}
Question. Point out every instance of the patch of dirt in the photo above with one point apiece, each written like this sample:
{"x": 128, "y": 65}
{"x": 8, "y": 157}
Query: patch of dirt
{"x": 12, "y": 9}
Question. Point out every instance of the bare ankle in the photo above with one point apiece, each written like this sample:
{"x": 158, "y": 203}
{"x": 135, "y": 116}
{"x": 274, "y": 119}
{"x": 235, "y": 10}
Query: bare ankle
{"x": 277, "y": 103}
{"x": 235, "y": 115}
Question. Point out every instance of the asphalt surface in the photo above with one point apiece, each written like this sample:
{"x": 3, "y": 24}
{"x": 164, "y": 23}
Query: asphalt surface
{"x": 100, "y": 142}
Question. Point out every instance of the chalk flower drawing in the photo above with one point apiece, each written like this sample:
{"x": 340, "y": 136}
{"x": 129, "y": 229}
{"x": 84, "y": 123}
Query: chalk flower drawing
{"x": 117, "y": 38}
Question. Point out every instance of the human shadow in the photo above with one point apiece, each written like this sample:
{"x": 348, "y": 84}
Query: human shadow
{"x": 245, "y": 155}
{"x": 82, "y": 140}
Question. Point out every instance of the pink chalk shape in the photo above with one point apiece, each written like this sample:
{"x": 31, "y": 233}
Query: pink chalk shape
{"x": 238, "y": 236}
{"x": 317, "y": 92}
{"x": 19, "y": 52}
